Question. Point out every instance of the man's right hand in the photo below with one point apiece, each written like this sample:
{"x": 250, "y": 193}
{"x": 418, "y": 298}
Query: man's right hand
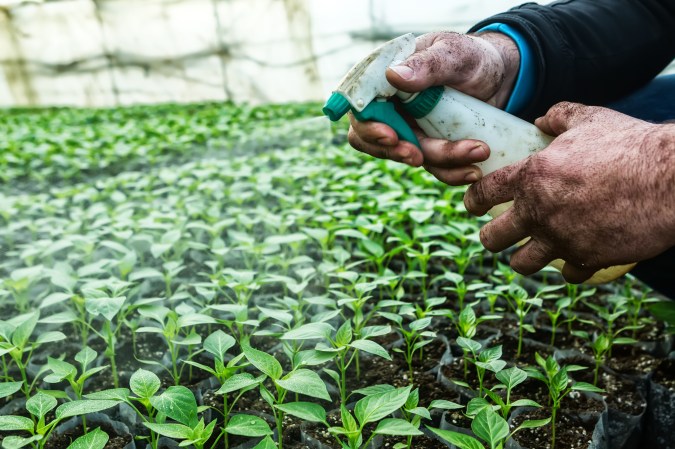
{"x": 483, "y": 66}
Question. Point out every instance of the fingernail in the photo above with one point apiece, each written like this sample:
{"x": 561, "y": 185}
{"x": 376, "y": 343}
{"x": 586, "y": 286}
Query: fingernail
{"x": 385, "y": 141}
{"x": 471, "y": 177}
{"x": 403, "y": 71}
{"x": 478, "y": 153}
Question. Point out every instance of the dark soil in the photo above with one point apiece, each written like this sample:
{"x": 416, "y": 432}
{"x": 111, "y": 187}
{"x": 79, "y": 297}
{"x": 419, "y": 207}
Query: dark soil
{"x": 62, "y": 441}
{"x": 620, "y": 394}
{"x": 571, "y": 432}
{"x": 632, "y": 361}
{"x": 665, "y": 374}
{"x": 422, "y": 442}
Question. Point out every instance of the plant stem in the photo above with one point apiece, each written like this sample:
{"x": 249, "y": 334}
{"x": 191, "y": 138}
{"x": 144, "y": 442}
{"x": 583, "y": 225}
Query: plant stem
{"x": 554, "y": 412}
{"x": 110, "y": 352}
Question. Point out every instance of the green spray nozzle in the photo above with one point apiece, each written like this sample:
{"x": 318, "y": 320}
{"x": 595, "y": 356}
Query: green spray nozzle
{"x": 376, "y": 111}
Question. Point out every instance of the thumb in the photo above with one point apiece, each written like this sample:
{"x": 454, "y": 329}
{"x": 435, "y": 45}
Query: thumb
{"x": 444, "y": 59}
{"x": 564, "y": 116}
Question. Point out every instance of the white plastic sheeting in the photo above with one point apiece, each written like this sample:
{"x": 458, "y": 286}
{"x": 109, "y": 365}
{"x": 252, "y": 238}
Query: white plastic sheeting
{"x": 117, "y": 52}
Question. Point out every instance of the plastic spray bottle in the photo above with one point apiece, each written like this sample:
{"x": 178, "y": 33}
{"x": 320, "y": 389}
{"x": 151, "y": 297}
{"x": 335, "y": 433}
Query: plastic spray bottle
{"x": 441, "y": 112}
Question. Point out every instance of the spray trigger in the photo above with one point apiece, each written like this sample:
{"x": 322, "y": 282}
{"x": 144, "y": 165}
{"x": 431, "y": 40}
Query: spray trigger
{"x": 385, "y": 112}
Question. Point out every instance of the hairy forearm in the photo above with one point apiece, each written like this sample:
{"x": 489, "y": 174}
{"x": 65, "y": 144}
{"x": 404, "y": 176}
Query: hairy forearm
{"x": 661, "y": 142}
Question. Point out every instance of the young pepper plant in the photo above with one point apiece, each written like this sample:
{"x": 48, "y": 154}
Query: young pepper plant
{"x": 487, "y": 359}
{"x": 37, "y": 426}
{"x": 16, "y": 342}
{"x": 489, "y": 427}
{"x": 374, "y": 409}
{"x": 415, "y": 336}
{"x": 228, "y": 374}
{"x": 342, "y": 348}
{"x": 299, "y": 380}
{"x": 557, "y": 381}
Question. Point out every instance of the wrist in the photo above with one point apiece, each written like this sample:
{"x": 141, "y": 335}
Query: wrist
{"x": 661, "y": 143}
{"x": 510, "y": 56}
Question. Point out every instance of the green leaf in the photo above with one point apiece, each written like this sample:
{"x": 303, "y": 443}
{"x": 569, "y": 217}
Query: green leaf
{"x": 511, "y": 377}
{"x": 458, "y": 439}
{"x": 248, "y": 426}
{"x": 266, "y": 443}
{"x": 60, "y": 369}
{"x": 144, "y": 273}
{"x": 374, "y": 331}
{"x": 374, "y": 389}
{"x": 525, "y": 403}
{"x": 263, "y": 361}
{"x": 445, "y": 405}
{"x": 344, "y": 334}
{"x": 420, "y": 324}
{"x": 395, "y": 426}
{"x": 177, "y": 431}
{"x": 10, "y": 422}
{"x": 95, "y": 439}
{"x": 370, "y": 347}
{"x": 86, "y": 356}
{"x": 491, "y": 354}
{"x": 664, "y": 311}
{"x": 218, "y": 343}
{"x": 624, "y": 341}
{"x": 239, "y": 382}
{"x": 285, "y": 239}
{"x": 468, "y": 345}
{"x": 14, "y": 442}
{"x": 178, "y": 403}
{"x": 279, "y": 315}
{"x": 114, "y": 394}
{"x": 84, "y": 407}
{"x": 50, "y": 337}
{"x": 9, "y": 388}
{"x": 309, "y": 331}
{"x": 22, "y": 333}
{"x": 375, "y": 407}
{"x": 584, "y": 386}
{"x": 105, "y": 306}
{"x": 348, "y": 420}
{"x": 40, "y": 404}
{"x": 307, "y": 411}
{"x": 144, "y": 384}
{"x": 312, "y": 357}
{"x": 532, "y": 423}
{"x": 490, "y": 427}
{"x": 305, "y": 382}
{"x": 477, "y": 405}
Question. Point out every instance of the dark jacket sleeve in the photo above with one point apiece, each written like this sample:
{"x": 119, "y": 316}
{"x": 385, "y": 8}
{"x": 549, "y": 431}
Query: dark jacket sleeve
{"x": 593, "y": 51}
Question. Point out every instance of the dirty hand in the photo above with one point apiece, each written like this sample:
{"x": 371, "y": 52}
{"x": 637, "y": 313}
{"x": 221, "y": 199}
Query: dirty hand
{"x": 483, "y": 66}
{"x": 600, "y": 195}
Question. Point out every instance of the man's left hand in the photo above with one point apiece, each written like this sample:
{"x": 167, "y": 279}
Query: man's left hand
{"x": 601, "y": 194}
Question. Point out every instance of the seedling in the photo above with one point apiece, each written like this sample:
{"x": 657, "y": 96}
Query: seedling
{"x": 558, "y": 383}
{"x": 374, "y": 408}
{"x": 486, "y": 360}
{"x": 342, "y": 348}
{"x": 489, "y": 427}
{"x": 38, "y": 406}
{"x": 301, "y": 381}
{"x": 415, "y": 338}
{"x": 15, "y": 341}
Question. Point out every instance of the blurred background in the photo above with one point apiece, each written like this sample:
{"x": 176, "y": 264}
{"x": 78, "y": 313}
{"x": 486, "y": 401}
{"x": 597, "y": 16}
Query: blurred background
{"x": 120, "y": 52}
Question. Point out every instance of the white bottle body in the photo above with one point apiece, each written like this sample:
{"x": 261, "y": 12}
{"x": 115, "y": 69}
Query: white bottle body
{"x": 459, "y": 116}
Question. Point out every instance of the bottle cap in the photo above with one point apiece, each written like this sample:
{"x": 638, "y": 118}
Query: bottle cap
{"x": 424, "y": 102}
{"x": 336, "y": 107}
